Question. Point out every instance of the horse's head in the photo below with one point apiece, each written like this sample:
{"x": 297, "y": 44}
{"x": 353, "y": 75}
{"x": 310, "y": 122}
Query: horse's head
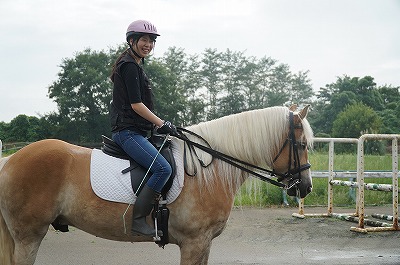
{"x": 291, "y": 162}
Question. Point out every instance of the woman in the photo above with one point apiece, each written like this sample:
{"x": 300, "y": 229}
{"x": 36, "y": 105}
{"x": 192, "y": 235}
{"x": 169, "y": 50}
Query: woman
{"x": 132, "y": 118}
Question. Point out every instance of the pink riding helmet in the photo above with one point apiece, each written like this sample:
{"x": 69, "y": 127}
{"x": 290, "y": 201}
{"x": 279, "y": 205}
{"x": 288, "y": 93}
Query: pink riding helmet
{"x": 141, "y": 26}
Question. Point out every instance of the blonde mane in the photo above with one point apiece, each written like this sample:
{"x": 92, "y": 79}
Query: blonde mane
{"x": 253, "y": 136}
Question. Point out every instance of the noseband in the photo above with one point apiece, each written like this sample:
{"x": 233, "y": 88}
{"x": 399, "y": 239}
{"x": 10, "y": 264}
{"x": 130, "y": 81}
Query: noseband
{"x": 292, "y": 176}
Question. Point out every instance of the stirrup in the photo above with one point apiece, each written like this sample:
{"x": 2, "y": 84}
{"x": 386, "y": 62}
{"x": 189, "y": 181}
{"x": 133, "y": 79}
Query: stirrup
{"x": 159, "y": 233}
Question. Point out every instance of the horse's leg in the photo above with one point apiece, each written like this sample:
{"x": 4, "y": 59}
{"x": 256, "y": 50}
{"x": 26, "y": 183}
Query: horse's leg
{"x": 198, "y": 216}
{"x": 27, "y": 245}
{"x": 25, "y": 254}
{"x": 19, "y": 246}
{"x": 195, "y": 251}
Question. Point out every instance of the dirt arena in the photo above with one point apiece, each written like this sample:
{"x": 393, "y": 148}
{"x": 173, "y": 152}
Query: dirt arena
{"x": 252, "y": 236}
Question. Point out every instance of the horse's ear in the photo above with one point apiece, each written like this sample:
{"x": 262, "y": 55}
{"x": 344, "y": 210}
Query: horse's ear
{"x": 303, "y": 113}
{"x": 293, "y": 107}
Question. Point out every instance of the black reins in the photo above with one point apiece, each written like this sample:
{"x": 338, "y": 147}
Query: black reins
{"x": 290, "y": 175}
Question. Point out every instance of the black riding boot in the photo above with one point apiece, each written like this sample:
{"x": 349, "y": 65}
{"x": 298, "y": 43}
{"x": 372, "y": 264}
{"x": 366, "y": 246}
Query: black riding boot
{"x": 143, "y": 205}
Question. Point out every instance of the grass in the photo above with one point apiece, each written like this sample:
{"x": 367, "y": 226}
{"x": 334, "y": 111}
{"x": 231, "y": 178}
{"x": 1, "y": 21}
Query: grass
{"x": 257, "y": 193}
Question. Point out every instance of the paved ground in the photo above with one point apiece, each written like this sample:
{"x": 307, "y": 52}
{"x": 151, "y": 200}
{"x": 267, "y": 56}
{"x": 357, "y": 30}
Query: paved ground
{"x": 253, "y": 236}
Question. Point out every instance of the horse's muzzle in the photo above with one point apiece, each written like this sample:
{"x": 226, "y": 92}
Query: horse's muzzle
{"x": 301, "y": 189}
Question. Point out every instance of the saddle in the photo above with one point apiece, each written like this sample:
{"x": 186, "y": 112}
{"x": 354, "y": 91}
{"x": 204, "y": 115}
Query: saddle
{"x": 138, "y": 172}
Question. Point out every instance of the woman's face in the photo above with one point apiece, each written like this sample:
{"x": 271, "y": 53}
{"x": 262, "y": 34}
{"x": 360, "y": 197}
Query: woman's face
{"x": 144, "y": 46}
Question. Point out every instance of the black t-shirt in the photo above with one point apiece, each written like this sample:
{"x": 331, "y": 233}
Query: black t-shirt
{"x": 130, "y": 76}
{"x": 131, "y": 85}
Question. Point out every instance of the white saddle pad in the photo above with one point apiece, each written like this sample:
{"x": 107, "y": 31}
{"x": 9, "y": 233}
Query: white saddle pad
{"x": 110, "y": 184}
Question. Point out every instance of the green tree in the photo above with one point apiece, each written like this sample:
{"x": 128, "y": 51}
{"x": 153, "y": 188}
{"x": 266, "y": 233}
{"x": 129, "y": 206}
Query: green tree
{"x": 389, "y": 94}
{"x": 390, "y": 117}
{"x": 19, "y": 129}
{"x": 301, "y": 90}
{"x": 232, "y": 98}
{"x": 188, "y": 89}
{"x": 252, "y": 88}
{"x": 356, "y": 120}
{"x": 211, "y": 71}
{"x": 167, "y": 103}
{"x": 83, "y": 93}
{"x": 338, "y": 103}
{"x": 334, "y": 97}
{"x": 4, "y": 128}
{"x": 391, "y": 112}
{"x": 280, "y": 81}
{"x": 260, "y": 80}
{"x": 193, "y": 88}
{"x": 175, "y": 84}
{"x": 25, "y": 128}
{"x": 194, "y": 94}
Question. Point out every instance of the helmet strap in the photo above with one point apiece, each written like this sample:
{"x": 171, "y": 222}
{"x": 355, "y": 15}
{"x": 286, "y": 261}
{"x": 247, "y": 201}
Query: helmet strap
{"x": 135, "y": 53}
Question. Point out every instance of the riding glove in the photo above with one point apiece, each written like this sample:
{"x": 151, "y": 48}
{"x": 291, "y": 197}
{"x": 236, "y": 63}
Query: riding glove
{"x": 168, "y": 128}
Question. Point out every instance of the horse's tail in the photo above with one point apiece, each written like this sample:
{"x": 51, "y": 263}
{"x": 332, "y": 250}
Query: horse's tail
{"x": 3, "y": 161}
{"x": 6, "y": 241}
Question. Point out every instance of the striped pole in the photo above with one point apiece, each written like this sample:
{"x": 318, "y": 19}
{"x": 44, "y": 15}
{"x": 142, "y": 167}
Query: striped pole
{"x": 367, "y": 186}
{"x": 355, "y": 219}
{"x": 382, "y": 216}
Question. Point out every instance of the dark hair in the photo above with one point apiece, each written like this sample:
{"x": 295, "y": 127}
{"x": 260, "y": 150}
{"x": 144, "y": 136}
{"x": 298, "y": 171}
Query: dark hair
{"x": 114, "y": 67}
{"x": 137, "y": 35}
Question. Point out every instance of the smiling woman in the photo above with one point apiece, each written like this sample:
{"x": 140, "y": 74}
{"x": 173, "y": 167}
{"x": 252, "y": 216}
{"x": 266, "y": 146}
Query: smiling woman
{"x": 141, "y": 36}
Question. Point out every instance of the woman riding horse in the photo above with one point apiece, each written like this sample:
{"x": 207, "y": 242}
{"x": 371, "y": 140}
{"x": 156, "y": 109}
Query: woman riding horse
{"x": 50, "y": 180}
{"x": 132, "y": 118}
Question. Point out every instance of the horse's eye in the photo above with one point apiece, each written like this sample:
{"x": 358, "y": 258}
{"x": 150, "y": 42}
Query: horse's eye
{"x": 303, "y": 146}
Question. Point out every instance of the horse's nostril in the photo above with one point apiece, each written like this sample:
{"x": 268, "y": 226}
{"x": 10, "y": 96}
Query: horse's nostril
{"x": 309, "y": 189}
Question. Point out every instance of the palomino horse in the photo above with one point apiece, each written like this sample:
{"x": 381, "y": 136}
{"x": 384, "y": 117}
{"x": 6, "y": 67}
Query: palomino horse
{"x": 49, "y": 179}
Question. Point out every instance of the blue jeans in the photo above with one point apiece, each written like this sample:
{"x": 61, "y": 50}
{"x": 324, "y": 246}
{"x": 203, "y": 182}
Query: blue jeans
{"x": 143, "y": 152}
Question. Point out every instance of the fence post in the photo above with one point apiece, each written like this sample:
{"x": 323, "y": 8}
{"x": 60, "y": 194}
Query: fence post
{"x": 361, "y": 184}
{"x": 395, "y": 183}
{"x": 360, "y": 207}
{"x": 1, "y": 149}
{"x": 331, "y": 175}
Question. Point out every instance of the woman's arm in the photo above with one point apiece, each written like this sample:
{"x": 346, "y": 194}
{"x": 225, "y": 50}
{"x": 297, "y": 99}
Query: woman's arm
{"x": 145, "y": 113}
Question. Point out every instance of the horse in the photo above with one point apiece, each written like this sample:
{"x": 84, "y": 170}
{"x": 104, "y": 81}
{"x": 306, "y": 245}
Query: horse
{"x": 49, "y": 180}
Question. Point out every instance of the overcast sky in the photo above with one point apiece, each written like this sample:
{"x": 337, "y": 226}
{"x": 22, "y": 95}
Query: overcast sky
{"x": 329, "y": 38}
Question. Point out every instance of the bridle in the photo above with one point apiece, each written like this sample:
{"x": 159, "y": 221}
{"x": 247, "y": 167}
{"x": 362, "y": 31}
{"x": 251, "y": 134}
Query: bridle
{"x": 292, "y": 176}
